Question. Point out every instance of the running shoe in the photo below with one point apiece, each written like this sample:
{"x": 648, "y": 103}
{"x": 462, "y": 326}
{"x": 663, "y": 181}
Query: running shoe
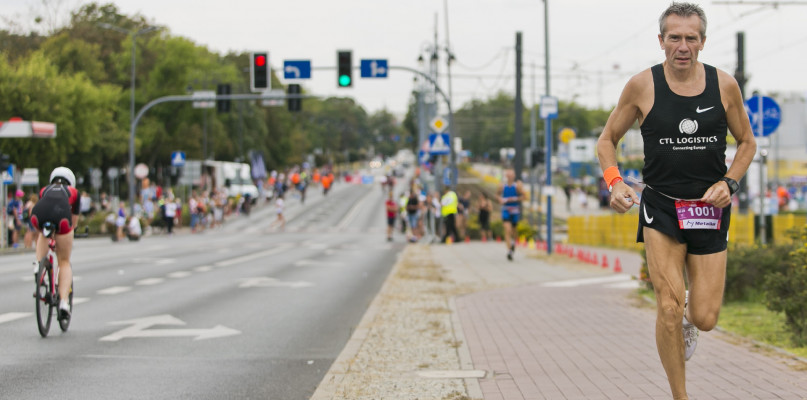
{"x": 510, "y": 255}
{"x": 690, "y": 333}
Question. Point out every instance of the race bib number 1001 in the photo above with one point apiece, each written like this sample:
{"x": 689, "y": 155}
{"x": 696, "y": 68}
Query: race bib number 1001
{"x": 698, "y": 215}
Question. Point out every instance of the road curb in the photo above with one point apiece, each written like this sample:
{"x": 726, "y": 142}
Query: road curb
{"x": 341, "y": 366}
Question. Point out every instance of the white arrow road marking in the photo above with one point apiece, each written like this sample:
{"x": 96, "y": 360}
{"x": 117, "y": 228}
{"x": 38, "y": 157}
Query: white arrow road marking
{"x": 589, "y": 281}
{"x": 180, "y": 274}
{"x": 315, "y": 263}
{"x": 250, "y": 257}
{"x": 139, "y": 328}
{"x": 149, "y": 281}
{"x": 13, "y": 316}
{"x": 272, "y": 282}
{"x": 115, "y": 290}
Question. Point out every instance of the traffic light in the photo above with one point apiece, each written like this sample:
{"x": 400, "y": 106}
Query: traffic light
{"x": 537, "y": 157}
{"x": 294, "y": 104}
{"x": 223, "y": 106}
{"x": 259, "y": 71}
{"x": 344, "y": 76}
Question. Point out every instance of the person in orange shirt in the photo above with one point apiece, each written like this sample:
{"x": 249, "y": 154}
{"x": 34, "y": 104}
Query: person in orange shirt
{"x": 316, "y": 176}
{"x": 327, "y": 180}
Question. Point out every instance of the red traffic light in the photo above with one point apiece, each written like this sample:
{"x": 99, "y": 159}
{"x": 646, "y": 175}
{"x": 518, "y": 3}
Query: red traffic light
{"x": 260, "y": 60}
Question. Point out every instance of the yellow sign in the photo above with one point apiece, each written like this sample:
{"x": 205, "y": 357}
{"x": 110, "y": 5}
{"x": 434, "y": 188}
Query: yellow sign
{"x": 439, "y": 124}
{"x": 566, "y": 135}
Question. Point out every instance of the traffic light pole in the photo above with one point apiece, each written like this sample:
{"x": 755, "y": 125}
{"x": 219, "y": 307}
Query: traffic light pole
{"x": 260, "y": 96}
{"x": 186, "y": 98}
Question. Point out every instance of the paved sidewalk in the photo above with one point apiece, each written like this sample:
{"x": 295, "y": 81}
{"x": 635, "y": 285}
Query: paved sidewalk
{"x": 536, "y": 328}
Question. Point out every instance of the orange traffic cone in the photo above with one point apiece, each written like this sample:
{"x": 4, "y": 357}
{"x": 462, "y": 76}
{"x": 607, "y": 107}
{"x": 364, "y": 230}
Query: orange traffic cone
{"x": 467, "y": 239}
{"x": 617, "y": 266}
{"x": 449, "y": 240}
{"x": 498, "y": 238}
{"x": 484, "y": 239}
{"x": 604, "y": 261}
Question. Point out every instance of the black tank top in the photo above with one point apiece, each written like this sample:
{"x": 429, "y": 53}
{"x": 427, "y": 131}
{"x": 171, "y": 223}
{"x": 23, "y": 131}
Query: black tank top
{"x": 684, "y": 138}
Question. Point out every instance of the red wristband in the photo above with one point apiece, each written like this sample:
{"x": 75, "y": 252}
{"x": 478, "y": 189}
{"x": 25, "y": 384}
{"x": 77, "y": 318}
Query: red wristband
{"x": 611, "y": 174}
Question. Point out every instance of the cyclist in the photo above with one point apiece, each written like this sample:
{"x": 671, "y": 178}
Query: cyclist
{"x": 58, "y": 204}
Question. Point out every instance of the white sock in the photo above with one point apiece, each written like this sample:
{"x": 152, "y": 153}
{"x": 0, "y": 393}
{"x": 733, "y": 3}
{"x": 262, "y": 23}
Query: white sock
{"x": 64, "y": 305}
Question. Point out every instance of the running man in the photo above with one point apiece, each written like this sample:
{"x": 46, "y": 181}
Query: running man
{"x": 512, "y": 194}
{"x": 683, "y": 107}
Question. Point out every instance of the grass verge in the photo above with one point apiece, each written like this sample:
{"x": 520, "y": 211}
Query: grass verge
{"x": 751, "y": 320}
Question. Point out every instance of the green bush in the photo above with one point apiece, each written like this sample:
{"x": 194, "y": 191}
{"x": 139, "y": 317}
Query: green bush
{"x": 786, "y": 289}
{"x": 747, "y": 267}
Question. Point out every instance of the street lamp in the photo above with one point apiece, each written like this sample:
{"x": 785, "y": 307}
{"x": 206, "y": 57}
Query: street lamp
{"x": 131, "y": 105}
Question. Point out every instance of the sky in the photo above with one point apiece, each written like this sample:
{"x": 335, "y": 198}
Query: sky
{"x": 594, "y": 45}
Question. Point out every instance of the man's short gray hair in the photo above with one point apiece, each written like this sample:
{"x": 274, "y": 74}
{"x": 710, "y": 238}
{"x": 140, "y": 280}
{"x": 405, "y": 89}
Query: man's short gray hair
{"x": 682, "y": 10}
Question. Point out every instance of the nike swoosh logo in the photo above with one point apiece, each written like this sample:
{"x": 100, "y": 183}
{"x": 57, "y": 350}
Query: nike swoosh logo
{"x": 647, "y": 218}
{"x": 698, "y": 109}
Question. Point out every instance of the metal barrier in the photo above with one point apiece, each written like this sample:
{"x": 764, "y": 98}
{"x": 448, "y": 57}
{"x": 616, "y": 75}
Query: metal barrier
{"x": 619, "y": 230}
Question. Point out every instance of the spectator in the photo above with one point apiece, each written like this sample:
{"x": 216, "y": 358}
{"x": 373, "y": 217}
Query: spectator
{"x": 31, "y": 233}
{"x": 485, "y": 208}
{"x": 85, "y": 204}
{"x": 14, "y": 212}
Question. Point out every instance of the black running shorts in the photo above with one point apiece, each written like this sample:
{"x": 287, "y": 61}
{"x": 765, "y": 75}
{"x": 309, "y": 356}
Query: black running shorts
{"x": 658, "y": 212}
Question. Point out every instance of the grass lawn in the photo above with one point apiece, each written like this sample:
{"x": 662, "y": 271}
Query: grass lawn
{"x": 752, "y": 320}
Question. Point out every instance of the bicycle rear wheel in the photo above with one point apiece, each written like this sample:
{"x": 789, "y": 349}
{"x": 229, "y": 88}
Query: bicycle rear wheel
{"x": 43, "y": 296}
{"x": 65, "y": 323}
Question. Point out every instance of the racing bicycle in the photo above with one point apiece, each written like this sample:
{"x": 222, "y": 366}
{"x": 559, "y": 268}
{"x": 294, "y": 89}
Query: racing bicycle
{"x": 47, "y": 288}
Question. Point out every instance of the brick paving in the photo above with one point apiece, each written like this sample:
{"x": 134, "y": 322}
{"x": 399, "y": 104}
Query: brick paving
{"x": 589, "y": 339}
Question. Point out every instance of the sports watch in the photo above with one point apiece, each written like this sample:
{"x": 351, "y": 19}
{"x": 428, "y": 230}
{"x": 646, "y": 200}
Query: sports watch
{"x": 733, "y": 185}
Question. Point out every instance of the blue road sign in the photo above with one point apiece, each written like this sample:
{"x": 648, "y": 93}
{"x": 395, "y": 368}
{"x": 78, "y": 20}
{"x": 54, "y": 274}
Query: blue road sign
{"x": 297, "y": 69}
{"x": 771, "y": 115}
{"x": 9, "y": 176}
{"x": 438, "y": 144}
{"x": 178, "y": 159}
{"x": 374, "y": 68}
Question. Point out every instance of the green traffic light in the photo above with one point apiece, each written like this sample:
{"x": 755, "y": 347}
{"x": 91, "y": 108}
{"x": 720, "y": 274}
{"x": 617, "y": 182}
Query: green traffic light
{"x": 344, "y": 80}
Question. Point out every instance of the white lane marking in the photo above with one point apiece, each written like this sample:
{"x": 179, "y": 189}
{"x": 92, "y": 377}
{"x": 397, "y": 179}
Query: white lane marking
{"x": 272, "y": 282}
{"x": 315, "y": 263}
{"x": 80, "y": 300}
{"x": 203, "y": 268}
{"x": 250, "y": 257}
{"x": 352, "y": 213}
{"x": 149, "y": 281}
{"x": 631, "y": 284}
{"x": 165, "y": 261}
{"x": 115, "y": 290}
{"x": 180, "y": 274}
{"x": 588, "y": 281}
{"x": 13, "y": 316}
{"x": 28, "y": 278}
{"x": 139, "y": 328}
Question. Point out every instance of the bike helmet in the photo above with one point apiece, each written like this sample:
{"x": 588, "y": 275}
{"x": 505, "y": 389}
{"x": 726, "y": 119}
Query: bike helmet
{"x": 64, "y": 173}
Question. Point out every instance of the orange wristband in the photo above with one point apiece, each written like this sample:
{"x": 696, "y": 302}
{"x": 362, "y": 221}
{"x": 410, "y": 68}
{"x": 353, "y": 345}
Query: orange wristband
{"x": 611, "y": 174}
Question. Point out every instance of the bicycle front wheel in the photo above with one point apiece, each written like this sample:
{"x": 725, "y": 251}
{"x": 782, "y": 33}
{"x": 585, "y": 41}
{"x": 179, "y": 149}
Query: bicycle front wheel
{"x": 44, "y": 296}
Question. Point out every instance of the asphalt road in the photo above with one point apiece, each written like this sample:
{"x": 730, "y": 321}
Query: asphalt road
{"x": 240, "y": 312}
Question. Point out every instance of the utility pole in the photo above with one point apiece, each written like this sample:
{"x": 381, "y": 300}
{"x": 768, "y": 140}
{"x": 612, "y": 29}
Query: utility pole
{"x": 739, "y": 75}
{"x": 548, "y": 134}
{"x": 519, "y": 158}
